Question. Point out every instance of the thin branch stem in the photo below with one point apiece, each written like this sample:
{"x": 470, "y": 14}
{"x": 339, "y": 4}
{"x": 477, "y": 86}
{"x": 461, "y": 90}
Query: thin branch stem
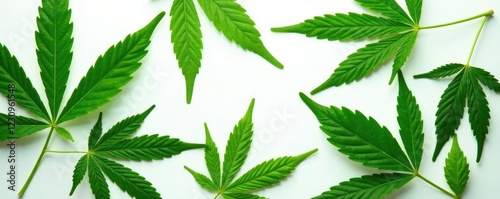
{"x": 37, "y": 164}
{"x": 487, "y": 13}
{"x": 437, "y": 186}
{"x": 218, "y": 194}
{"x": 57, "y": 151}
{"x": 475, "y": 39}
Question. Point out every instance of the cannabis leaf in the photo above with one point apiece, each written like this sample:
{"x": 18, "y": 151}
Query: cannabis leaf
{"x": 261, "y": 176}
{"x": 228, "y": 17}
{"x": 464, "y": 89}
{"x": 116, "y": 144}
{"x": 397, "y": 30}
{"x": 456, "y": 169}
{"x": 363, "y": 140}
{"x": 54, "y": 41}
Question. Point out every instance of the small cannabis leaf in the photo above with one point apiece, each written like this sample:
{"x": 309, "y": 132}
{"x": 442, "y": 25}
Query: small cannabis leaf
{"x": 397, "y": 30}
{"x": 456, "y": 169}
{"x": 261, "y": 176}
{"x": 228, "y": 17}
{"x": 464, "y": 89}
{"x": 363, "y": 140}
{"x": 54, "y": 42}
{"x": 117, "y": 144}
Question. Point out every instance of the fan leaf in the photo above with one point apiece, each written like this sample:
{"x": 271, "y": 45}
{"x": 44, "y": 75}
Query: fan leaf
{"x": 362, "y": 139}
{"x": 54, "y": 42}
{"x": 19, "y": 127}
{"x": 186, "y": 37}
{"x": 487, "y": 79}
{"x": 241, "y": 196}
{"x": 95, "y": 133}
{"x": 456, "y": 170}
{"x": 11, "y": 73}
{"x": 344, "y": 27}
{"x": 237, "y": 147}
{"x": 365, "y": 61}
{"x": 146, "y": 147}
{"x": 230, "y": 18}
{"x": 388, "y": 8}
{"x": 110, "y": 72}
{"x": 367, "y": 187}
{"x": 410, "y": 123}
{"x": 64, "y": 133}
{"x": 267, "y": 173}
{"x": 97, "y": 181}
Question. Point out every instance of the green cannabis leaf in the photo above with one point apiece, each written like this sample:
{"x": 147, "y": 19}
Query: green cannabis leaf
{"x": 261, "y": 176}
{"x": 228, "y": 17}
{"x": 464, "y": 89}
{"x": 54, "y": 42}
{"x": 396, "y": 30}
{"x": 456, "y": 169}
{"x": 363, "y": 140}
{"x": 116, "y": 144}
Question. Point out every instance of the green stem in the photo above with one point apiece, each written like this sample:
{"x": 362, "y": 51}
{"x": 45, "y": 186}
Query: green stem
{"x": 487, "y": 13}
{"x": 437, "y": 187}
{"x": 56, "y": 151}
{"x": 475, "y": 39}
{"x": 37, "y": 164}
{"x": 218, "y": 194}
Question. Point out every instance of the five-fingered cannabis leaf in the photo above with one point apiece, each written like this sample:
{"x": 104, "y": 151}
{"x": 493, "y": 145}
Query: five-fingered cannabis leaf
{"x": 117, "y": 144}
{"x": 261, "y": 176}
{"x": 54, "y": 42}
{"x": 463, "y": 89}
{"x": 228, "y": 17}
{"x": 363, "y": 140}
{"x": 396, "y": 29}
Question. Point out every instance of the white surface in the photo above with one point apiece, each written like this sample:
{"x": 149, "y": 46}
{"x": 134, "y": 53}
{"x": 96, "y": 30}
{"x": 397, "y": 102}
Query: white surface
{"x": 230, "y": 78}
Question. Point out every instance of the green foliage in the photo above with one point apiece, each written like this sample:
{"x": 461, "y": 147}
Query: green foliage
{"x": 261, "y": 176}
{"x": 54, "y": 41}
{"x": 228, "y": 17}
{"x": 464, "y": 90}
{"x": 395, "y": 28}
{"x": 456, "y": 169}
{"x": 117, "y": 144}
{"x": 363, "y": 140}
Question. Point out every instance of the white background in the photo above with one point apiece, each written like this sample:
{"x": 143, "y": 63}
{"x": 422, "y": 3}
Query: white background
{"x": 230, "y": 77}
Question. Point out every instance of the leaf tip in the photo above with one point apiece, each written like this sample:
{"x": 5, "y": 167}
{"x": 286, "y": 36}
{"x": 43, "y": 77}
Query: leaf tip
{"x": 250, "y": 109}
{"x": 190, "y": 79}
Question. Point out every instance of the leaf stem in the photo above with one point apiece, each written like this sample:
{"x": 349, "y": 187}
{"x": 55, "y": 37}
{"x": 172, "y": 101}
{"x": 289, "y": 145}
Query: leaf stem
{"x": 37, "y": 164}
{"x": 437, "y": 186}
{"x": 57, "y": 151}
{"x": 218, "y": 194}
{"x": 475, "y": 39}
{"x": 487, "y": 13}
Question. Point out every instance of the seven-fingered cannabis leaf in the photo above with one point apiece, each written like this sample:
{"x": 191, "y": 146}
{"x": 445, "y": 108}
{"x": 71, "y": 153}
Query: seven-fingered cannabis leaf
{"x": 228, "y": 17}
{"x": 396, "y": 29}
{"x": 463, "y": 89}
{"x": 54, "y": 42}
{"x": 261, "y": 176}
{"x": 117, "y": 144}
{"x": 363, "y": 140}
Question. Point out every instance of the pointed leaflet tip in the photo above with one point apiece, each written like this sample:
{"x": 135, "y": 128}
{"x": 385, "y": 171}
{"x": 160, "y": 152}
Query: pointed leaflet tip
{"x": 249, "y": 112}
{"x": 189, "y": 87}
{"x": 152, "y": 25}
{"x": 292, "y": 28}
{"x": 315, "y": 107}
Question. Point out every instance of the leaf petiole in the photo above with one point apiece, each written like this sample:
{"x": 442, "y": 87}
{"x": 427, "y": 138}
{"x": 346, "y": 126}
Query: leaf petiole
{"x": 436, "y": 186}
{"x": 216, "y": 196}
{"x": 56, "y": 151}
{"x": 475, "y": 39}
{"x": 37, "y": 164}
{"x": 484, "y": 14}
